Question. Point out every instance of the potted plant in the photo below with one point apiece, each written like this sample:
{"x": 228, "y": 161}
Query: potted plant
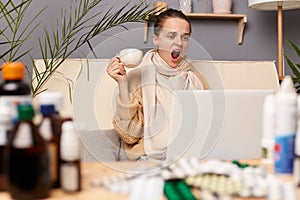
{"x": 62, "y": 40}
{"x": 294, "y": 67}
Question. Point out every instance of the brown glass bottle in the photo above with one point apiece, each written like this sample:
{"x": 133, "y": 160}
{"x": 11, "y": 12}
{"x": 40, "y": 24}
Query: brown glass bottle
{"x": 14, "y": 90}
{"x": 28, "y": 161}
{"x": 5, "y": 127}
{"x": 56, "y": 99}
{"x": 47, "y": 129}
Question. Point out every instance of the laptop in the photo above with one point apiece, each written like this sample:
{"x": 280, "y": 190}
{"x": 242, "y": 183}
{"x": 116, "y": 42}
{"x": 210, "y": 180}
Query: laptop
{"x": 220, "y": 124}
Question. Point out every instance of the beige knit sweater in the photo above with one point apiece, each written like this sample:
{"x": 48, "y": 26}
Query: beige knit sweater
{"x": 128, "y": 120}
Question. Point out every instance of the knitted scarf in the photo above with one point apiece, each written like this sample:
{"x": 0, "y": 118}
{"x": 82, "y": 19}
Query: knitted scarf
{"x": 158, "y": 82}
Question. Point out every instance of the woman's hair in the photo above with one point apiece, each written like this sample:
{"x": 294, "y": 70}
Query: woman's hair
{"x": 169, "y": 13}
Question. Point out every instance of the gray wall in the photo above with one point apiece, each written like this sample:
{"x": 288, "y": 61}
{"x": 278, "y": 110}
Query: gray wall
{"x": 215, "y": 39}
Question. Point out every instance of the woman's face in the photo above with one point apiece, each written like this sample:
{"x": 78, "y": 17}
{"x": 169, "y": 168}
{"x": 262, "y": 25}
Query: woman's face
{"x": 173, "y": 40}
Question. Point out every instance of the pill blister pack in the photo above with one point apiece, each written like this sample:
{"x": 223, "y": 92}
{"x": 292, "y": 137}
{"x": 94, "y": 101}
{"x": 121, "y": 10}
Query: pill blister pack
{"x": 211, "y": 179}
{"x": 217, "y": 179}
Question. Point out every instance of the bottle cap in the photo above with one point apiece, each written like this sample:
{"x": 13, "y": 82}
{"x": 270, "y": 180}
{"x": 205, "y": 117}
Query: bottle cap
{"x": 286, "y": 108}
{"x": 25, "y": 112}
{"x": 70, "y": 145}
{"x": 287, "y": 93}
{"x": 51, "y": 98}
{"x": 47, "y": 109}
{"x": 13, "y": 70}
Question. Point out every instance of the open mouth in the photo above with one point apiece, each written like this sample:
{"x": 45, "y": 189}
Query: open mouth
{"x": 175, "y": 54}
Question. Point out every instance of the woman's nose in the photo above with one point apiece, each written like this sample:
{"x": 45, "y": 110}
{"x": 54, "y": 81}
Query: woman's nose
{"x": 178, "y": 41}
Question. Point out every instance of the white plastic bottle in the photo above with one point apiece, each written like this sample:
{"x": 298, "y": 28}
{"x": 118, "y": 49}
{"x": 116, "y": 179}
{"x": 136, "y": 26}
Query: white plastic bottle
{"x": 267, "y": 142}
{"x": 296, "y": 171}
{"x": 70, "y": 173}
{"x": 286, "y": 127}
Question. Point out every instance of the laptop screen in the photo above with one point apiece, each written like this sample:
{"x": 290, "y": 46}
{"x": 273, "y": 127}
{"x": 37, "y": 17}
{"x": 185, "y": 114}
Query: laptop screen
{"x": 222, "y": 124}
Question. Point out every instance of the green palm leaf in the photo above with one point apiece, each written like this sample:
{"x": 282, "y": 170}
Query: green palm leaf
{"x": 86, "y": 19}
{"x": 294, "y": 67}
{"x": 13, "y": 33}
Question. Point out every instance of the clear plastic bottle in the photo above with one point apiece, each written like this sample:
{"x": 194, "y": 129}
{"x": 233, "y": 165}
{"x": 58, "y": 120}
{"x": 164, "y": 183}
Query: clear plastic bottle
{"x": 286, "y": 127}
{"x": 267, "y": 142}
{"x": 5, "y": 128}
{"x": 47, "y": 131}
{"x": 14, "y": 90}
{"x": 28, "y": 161}
{"x": 70, "y": 172}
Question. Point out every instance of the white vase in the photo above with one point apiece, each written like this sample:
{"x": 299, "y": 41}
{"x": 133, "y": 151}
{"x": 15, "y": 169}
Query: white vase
{"x": 185, "y": 6}
{"x": 222, "y": 6}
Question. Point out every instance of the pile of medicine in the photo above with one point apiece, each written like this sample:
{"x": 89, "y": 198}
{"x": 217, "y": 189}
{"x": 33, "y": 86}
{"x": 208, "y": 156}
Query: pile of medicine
{"x": 210, "y": 179}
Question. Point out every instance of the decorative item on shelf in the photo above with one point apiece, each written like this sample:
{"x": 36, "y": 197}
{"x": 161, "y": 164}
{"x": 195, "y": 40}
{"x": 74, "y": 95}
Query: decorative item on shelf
{"x": 279, "y": 5}
{"x": 185, "y": 6}
{"x": 222, "y": 6}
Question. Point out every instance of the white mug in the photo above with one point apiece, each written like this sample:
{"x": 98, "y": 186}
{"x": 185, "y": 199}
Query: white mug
{"x": 130, "y": 57}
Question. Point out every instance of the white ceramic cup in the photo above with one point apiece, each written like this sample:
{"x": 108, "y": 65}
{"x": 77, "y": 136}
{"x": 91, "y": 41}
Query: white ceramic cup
{"x": 130, "y": 57}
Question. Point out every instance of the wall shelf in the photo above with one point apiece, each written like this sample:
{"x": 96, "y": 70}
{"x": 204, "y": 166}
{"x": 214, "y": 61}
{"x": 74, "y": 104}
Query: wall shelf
{"x": 242, "y": 20}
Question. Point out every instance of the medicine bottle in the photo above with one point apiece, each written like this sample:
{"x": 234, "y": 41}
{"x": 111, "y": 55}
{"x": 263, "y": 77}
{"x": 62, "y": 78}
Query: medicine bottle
{"x": 47, "y": 131}
{"x": 14, "y": 90}
{"x": 55, "y": 99}
{"x": 285, "y": 127}
{"x": 267, "y": 142}
{"x": 70, "y": 171}
{"x": 28, "y": 162}
{"x": 296, "y": 170}
{"x": 5, "y": 128}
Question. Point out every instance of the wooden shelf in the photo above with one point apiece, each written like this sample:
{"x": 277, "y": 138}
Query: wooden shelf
{"x": 242, "y": 20}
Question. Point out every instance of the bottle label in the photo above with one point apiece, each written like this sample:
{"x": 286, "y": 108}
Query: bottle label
{"x": 46, "y": 129}
{"x": 12, "y": 103}
{"x": 284, "y": 153}
{"x": 23, "y": 138}
{"x": 69, "y": 177}
{"x": 264, "y": 153}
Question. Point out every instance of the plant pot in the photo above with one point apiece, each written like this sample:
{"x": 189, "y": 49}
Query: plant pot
{"x": 222, "y": 6}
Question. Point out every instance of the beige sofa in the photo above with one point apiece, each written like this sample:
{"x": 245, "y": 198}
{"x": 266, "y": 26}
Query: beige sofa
{"x": 94, "y": 92}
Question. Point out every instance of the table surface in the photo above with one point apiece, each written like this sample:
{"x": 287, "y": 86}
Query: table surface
{"x": 92, "y": 171}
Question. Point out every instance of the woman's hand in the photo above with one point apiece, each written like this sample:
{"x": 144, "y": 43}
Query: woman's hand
{"x": 116, "y": 70}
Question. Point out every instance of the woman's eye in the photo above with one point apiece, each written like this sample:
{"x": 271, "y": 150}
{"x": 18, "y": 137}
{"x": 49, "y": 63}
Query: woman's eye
{"x": 171, "y": 37}
{"x": 185, "y": 38}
